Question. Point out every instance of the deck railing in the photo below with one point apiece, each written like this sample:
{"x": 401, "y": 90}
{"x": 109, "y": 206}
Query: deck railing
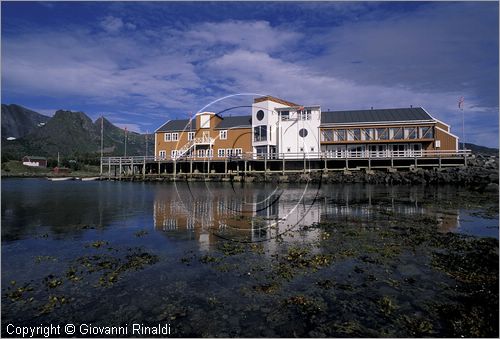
{"x": 387, "y": 154}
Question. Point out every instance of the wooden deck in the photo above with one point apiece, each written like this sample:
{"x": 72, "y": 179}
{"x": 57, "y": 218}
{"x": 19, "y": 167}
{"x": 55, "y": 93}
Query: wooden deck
{"x": 248, "y": 164}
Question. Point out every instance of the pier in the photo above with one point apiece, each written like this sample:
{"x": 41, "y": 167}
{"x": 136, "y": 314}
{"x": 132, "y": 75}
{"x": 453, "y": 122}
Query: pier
{"x": 247, "y": 164}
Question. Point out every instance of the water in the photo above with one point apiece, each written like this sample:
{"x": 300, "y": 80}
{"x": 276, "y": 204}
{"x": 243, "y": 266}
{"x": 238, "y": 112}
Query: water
{"x": 214, "y": 259}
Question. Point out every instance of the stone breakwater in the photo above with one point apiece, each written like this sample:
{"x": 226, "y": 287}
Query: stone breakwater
{"x": 481, "y": 173}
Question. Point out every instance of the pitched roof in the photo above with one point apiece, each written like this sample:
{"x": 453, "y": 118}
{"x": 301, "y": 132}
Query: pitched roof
{"x": 278, "y": 100}
{"x": 374, "y": 115}
{"x": 177, "y": 125}
{"x": 241, "y": 121}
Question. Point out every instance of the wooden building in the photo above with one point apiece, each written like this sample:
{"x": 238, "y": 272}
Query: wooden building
{"x": 281, "y": 129}
{"x": 34, "y": 161}
{"x": 208, "y": 135}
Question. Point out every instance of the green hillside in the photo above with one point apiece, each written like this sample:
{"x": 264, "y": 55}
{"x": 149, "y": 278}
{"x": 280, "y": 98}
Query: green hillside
{"x": 75, "y": 135}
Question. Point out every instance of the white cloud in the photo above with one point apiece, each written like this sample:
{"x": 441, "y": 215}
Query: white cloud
{"x": 112, "y": 24}
{"x": 165, "y": 70}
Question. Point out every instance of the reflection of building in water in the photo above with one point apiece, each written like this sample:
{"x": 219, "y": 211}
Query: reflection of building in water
{"x": 367, "y": 201}
{"x": 249, "y": 213}
{"x": 241, "y": 213}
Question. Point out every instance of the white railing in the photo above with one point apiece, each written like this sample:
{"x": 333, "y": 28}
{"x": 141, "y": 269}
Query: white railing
{"x": 387, "y": 154}
{"x": 203, "y": 140}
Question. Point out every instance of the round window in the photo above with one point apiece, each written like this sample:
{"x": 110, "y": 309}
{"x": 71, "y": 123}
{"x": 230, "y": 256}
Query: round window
{"x": 260, "y": 115}
{"x": 303, "y": 133}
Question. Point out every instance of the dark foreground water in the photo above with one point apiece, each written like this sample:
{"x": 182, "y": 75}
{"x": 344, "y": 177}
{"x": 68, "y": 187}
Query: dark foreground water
{"x": 248, "y": 260}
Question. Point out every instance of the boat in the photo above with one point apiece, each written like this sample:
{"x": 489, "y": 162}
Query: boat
{"x": 60, "y": 178}
{"x": 89, "y": 178}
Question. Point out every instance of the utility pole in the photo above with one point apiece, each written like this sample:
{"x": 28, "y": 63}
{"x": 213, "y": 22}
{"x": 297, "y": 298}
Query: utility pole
{"x": 102, "y": 139}
{"x": 125, "y": 141}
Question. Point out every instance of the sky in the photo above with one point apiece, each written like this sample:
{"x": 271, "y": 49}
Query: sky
{"x": 142, "y": 63}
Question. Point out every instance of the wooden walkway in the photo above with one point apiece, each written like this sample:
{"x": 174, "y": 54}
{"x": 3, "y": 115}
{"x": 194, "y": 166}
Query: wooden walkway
{"x": 248, "y": 164}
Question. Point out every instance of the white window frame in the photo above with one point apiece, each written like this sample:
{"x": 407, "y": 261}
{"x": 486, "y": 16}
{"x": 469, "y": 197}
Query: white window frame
{"x": 162, "y": 154}
{"x": 167, "y": 137}
{"x": 229, "y": 152}
{"x": 221, "y": 152}
{"x": 173, "y": 153}
{"x": 175, "y": 136}
{"x": 238, "y": 151}
{"x": 223, "y": 134}
{"x": 190, "y": 136}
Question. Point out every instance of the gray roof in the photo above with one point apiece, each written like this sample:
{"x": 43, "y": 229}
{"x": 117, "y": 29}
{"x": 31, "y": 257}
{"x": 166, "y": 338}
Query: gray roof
{"x": 374, "y": 115}
{"x": 177, "y": 125}
{"x": 243, "y": 121}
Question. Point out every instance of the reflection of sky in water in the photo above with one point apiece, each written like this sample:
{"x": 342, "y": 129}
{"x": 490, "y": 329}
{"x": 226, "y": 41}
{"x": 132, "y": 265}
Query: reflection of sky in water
{"x": 62, "y": 220}
{"x": 206, "y": 211}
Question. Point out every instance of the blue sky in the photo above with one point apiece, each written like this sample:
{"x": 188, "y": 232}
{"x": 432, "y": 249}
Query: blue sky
{"x": 143, "y": 63}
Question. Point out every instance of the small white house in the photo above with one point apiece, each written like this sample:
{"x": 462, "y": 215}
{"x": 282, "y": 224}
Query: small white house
{"x": 33, "y": 161}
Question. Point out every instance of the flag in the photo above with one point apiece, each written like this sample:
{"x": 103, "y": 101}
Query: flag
{"x": 461, "y": 103}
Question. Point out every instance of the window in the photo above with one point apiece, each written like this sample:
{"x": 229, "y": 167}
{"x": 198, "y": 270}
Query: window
{"x": 210, "y": 153}
{"x": 229, "y": 152}
{"x": 168, "y": 136}
{"x": 327, "y": 135}
{"x": 175, "y": 136}
{"x": 205, "y": 121}
{"x": 303, "y": 132}
{"x": 162, "y": 154}
{"x": 397, "y": 133}
{"x": 238, "y": 151}
{"x": 369, "y": 134}
{"x": 382, "y": 133}
{"x": 340, "y": 135}
{"x": 305, "y": 114}
{"x": 354, "y": 134}
{"x": 260, "y": 133}
{"x": 223, "y": 134}
{"x": 285, "y": 115}
{"x": 201, "y": 153}
{"x": 260, "y": 115}
{"x": 190, "y": 135}
{"x": 221, "y": 152}
{"x": 410, "y": 133}
{"x": 173, "y": 153}
{"x": 426, "y": 132}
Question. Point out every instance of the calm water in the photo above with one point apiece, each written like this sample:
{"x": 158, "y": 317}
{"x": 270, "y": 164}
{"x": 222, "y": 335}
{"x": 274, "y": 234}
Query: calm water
{"x": 115, "y": 253}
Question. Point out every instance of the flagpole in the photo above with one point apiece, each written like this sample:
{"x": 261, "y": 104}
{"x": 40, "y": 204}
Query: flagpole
{"x": 461, "y": 107}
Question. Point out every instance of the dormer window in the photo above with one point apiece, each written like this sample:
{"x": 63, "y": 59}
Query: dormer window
{"x": 205, "y": 121}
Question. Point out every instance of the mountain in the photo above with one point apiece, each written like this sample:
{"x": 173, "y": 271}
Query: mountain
{"x": 18, "y": 121}
{"x": 476, "y": 149}
{"x": 73, "y": 134}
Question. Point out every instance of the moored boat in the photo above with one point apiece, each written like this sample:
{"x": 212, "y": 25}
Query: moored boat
{"x": 89, "y": 178}
{"x": 59, "y": 178}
